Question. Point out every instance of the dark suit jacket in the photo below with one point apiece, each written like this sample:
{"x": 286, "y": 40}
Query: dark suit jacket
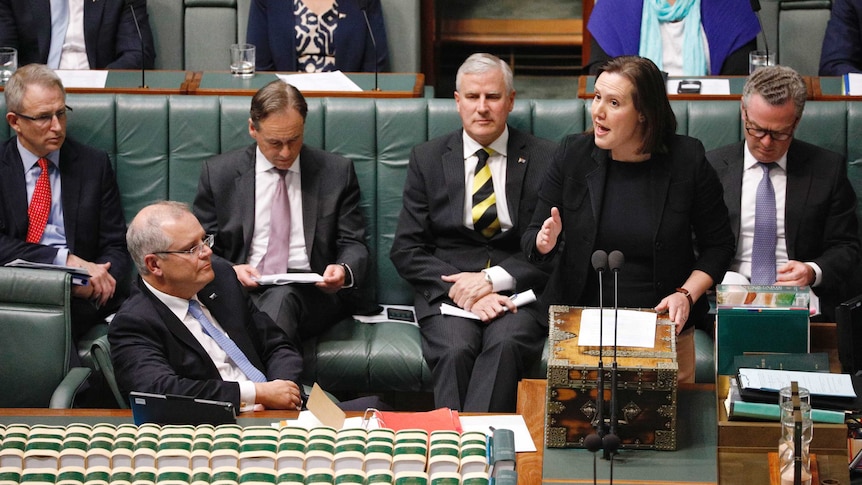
{"x": 842, "y": 44}
{"x": 334, "y": 226}
{"x": 153, "y": 351}
{"x": 110, "y": 35}
{"x": 688, "y": 200}
{"x": 431, "y": 239}
{"x": 819, "y": 216}
{"x": 271, "y": 25}
{"x": 93, "y": 215}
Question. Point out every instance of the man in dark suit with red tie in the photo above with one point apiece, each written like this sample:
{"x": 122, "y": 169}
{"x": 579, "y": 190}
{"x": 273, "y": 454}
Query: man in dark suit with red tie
{"x": 189, "y": 328}
{"x": 468, "y": 198}
{"x": 59, "y": 201}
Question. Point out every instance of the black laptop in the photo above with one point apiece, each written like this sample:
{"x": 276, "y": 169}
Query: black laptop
{"x": 169, "y": 409}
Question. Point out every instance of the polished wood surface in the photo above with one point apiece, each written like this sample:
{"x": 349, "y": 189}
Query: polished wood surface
{"x": 531, "y": 405}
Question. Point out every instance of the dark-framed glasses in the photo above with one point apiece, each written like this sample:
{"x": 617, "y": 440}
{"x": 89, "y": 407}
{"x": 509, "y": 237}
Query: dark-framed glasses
{"x": 195, "y": 250}
{"x": 47, "y": 118}
{"x": 758, "y": 132}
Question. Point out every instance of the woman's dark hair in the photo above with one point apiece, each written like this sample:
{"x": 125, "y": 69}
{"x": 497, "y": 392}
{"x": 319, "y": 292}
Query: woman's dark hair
{"x": 649, "y": 96}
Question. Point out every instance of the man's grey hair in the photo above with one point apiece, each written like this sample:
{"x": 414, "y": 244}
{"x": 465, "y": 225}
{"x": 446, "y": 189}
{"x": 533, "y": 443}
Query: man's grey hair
{"x": 480, "y": 63}
{"x": 145, "y": 235}
{"x": 776, "y": 85}
{"x": 29, "y": 75}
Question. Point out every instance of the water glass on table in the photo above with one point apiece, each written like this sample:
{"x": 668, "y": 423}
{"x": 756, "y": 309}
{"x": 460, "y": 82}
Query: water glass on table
{"x": 242, "y": 60}
{"x": 758, "y": 59}
{"x": 8, "y": 63}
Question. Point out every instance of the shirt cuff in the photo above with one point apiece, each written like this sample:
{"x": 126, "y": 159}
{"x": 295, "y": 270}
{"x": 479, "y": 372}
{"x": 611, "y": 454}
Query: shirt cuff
{"x": 501, "y": 280}
{"x": 61, "y": 257}
{"x": 348, "y": 276}
{"x": 818, "y": 273}
{"x": 247, "y": 395}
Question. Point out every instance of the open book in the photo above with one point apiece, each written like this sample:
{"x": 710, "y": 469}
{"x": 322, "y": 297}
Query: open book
{"x": 80, "y": 276}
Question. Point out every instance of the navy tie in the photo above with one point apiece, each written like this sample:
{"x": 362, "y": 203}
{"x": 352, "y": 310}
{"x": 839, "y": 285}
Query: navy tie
{"x": 765, "y": 232}
{"x": 228, "y": 345}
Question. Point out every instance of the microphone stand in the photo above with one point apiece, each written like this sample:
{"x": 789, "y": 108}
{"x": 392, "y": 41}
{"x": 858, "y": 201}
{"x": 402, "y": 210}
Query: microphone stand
{"x": 364, "y": 7}
{"x": 141, "y": 40}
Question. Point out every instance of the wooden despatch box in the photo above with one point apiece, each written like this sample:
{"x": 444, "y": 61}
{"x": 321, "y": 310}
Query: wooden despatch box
{"x": 646, "y": 386}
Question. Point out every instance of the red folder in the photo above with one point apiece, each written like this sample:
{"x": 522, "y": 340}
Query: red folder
{"x": 439, "y": 419}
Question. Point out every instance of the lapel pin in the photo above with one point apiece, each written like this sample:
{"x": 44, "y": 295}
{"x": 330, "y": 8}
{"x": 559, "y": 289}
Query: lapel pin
{"x": 213, "y": 296}
{"x": 522, "y": 160}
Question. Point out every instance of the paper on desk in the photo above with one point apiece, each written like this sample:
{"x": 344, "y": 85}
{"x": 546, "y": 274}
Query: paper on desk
{"x": 285, "y": 278}
{"x": 852, "y": 84}
{"x": 707, "y": 86}
{"x": 82, "y": 78}
{"x": 519, "y": 299}
{"x": 819, "y": 383}
{"x": 321, "y": 81}
{"x": 515, "y": 422}
{"x": 636, "y": 329}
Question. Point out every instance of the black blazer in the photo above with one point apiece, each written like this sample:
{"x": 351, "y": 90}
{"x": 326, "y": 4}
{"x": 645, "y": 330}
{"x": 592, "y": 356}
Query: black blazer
{"x": 819, "y": 217}
{"x": 110, "y": 35}
{"x": 688, "y": 202}
{"x": 431, "y": 239}
{"x": 92, "y": 212}
{"x": 153, "y": 351}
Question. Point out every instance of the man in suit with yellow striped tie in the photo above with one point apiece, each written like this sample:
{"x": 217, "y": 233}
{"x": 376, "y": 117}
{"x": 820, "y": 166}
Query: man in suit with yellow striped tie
{"x": 468, "y": 197}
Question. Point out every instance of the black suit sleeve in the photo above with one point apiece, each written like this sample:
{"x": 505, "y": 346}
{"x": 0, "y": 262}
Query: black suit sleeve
{"x": 127, "y": 44}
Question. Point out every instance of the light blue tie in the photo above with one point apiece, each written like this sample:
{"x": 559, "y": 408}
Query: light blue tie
{"x": 228, "y": 345}
{"x": 59, "y": 24}
{"x": 765, "y": 232}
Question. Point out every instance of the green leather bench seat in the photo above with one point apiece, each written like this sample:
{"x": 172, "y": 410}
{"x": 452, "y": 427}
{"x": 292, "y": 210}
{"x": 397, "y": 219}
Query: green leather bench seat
{"x": 157, "y": 144}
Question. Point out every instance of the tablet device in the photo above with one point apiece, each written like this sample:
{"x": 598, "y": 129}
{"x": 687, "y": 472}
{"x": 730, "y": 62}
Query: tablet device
{"x": 169, "y": 409}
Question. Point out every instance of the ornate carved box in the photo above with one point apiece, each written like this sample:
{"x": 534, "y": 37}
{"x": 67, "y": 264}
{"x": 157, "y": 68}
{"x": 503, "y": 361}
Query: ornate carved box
{"x": 646, "y": 386}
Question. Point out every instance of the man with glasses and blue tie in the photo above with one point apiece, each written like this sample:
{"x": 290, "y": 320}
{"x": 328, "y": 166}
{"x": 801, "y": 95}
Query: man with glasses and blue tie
{"x": 791, "y": 205}
{"x": 59, "y": 201}
{"x": 190, "y": 329}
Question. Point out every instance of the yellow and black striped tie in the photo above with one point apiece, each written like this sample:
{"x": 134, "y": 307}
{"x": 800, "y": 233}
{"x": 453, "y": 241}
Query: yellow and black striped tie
{"x": 484, "y": 201}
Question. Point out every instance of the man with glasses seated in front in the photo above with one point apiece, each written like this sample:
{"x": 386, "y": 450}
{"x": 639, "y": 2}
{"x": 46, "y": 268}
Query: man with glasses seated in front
{"x": 59, "y": 201}
{"x": 791, "y": 205}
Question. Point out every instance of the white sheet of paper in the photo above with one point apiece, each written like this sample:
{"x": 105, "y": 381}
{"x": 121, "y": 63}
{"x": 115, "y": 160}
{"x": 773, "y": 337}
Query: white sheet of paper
{"x": 515, "y": 422}
{"x": 707, "y": 86}
{"x": 819, "y": 383}
{"x": 321, "y": 81}
{"x": 519, "y": 299}
{"x": 285, "y": 278}
{"x": 636, "y": 329}
{"x": 82, "y": 78}
{"x": 853, "y": 84}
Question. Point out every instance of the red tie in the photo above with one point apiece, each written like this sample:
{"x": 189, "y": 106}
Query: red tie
{"x": 40, "y": 205}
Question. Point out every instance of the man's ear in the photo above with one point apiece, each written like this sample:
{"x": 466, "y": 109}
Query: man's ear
{"x": 153, "y": 264}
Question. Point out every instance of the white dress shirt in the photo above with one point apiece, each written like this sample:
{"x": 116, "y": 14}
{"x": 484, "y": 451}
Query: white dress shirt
{"x": 74, "y": 53}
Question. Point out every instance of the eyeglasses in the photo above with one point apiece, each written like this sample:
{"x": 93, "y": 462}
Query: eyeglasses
{"x": 43, "y": 120}
{"x": 760, "y": 132}
{"x": 195, "y": 250}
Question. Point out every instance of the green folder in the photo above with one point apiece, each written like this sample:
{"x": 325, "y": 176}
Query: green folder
{"x": 742, "y": 330}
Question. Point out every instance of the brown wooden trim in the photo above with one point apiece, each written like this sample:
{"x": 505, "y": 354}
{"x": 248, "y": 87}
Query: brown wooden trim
{"x": 556, "y": 32}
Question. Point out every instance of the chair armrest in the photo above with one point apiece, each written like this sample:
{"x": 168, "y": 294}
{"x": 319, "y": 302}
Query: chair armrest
{"x": 100, "y": 350}
{"x": 64, "y": 395}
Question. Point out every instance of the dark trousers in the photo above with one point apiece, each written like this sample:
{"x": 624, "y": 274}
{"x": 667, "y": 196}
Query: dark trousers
{"x": 302, "y": 310}
{"x": 477, "y": 366}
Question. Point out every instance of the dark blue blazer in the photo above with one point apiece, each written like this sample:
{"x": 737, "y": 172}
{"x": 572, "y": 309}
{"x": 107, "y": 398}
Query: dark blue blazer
{"x": 842, "y": 44}
{"x": 110, "y": 35}
{"x": 271, "y": 29}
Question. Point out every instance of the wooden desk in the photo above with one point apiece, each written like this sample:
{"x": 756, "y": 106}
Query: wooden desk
{"x": 392, "y": 85}
{"x": 129, "y": 82}
{"x": 829, "y": 89}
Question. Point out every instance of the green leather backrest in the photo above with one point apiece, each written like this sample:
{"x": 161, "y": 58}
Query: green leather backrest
{"x": 34, "y": 335}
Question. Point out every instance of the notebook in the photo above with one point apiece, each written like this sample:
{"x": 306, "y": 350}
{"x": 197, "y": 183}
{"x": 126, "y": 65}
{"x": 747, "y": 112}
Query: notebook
{"x": 169, "y": 409}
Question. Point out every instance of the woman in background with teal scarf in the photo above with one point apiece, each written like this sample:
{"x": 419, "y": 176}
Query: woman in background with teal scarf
{"x": 682, "y": 37}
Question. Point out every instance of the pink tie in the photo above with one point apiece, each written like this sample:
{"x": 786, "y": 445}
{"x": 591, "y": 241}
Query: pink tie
{"x": 278, "y": 247}
{"x": 40, "y": 205}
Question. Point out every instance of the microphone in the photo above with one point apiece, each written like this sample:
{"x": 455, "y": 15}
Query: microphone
{"x": 593, "y": 444}
{"x": 615, "y": 262}
{"x": 600, "y": 264}
{"x": 611, "y": 443}
{"x": 755, "y": 7}
{"x": 363, "y": 5}
{"x": 131, "y": 4}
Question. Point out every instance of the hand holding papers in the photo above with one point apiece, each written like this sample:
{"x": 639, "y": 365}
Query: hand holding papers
{"x": 519, "y": 299}
{"x": 80, "y": 276}
{"x": 286, "y": 278}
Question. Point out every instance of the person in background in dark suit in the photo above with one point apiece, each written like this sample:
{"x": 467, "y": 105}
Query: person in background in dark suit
{"x": 815, "y": 240}
{"x": 172, "y": 336}
{"x": 468, "y": 197}
{"x": 317, "y": 35}
{"x": 59, "y": 201}
{"x": 279, "y": 206}
{"x": 842, "y": 44}
{"x": 78, "y": 34}
{"x": 634, "y": 186}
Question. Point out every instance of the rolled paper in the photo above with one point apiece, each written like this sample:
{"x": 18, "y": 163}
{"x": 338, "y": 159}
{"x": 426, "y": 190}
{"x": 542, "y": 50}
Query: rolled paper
{"x": 98, "y": 475}
{"x": 144, "y": 475}
{"x": 39, "y": 476}
{"x": 201, "y": 475}
{"x": 257, "y": 476}
{"x": 350, "y": 477}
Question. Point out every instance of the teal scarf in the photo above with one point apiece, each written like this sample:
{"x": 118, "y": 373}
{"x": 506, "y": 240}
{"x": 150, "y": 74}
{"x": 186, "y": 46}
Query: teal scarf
{"x": 693, "y": 52}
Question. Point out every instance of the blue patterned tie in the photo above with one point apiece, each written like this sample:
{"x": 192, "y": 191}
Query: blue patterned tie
{"x": 765, "y": 232}
{"x": 228, "y": 345}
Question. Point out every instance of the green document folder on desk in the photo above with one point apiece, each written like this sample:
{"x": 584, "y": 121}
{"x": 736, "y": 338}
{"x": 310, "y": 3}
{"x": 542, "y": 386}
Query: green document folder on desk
{"x": 767, "y": 319}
